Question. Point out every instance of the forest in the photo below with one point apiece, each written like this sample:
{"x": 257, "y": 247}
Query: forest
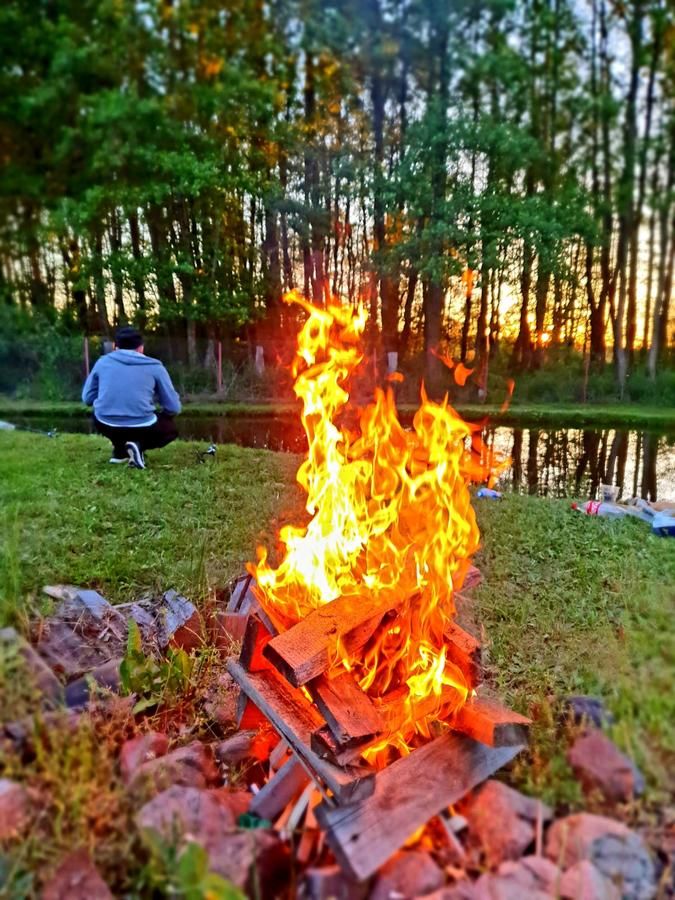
{"x": 487, "y": 176}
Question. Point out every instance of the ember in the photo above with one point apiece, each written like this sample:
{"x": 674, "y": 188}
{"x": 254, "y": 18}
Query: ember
{"x": 391, "y": 530}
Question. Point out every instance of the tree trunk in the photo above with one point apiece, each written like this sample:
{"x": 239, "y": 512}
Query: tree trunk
{"x": 139, "y": 281}
{"x": 631, "y": 328}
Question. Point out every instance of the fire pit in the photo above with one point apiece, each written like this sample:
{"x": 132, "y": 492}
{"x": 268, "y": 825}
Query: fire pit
{"x": 351, "y": 651}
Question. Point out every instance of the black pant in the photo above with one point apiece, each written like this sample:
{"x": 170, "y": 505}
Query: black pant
{"x": 149, "y": 437}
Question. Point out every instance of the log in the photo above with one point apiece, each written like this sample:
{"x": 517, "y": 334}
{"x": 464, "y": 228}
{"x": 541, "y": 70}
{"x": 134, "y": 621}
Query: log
{"x": 471, "y": 580}
{"x": 244, "y": 601}
{"x": 226, "y": 627}
{"x": 348, "y": 711}
{"x": 392, "y": 712}
{"x": 324, "y": 744}
{"x": 491, "y": 723}
{"x": 392, "y": 707}
{"x": 282, "y": 789}
{"x": 248, "y": 715}
{"x": 307, "y": 649}
{"x": 241, "y": 595}
{"x": 407, "y": 794}
{"x": 293, "y": 716}
{"x": 256, "y": 636}
{"x": 464, "y": 650}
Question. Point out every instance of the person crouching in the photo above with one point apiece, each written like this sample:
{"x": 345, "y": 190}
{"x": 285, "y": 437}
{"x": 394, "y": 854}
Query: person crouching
{"x": 123, "y": 387}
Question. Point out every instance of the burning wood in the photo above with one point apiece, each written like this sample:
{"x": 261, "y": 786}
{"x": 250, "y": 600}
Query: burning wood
{"x": 407, "y": 794}
{"x": 351, "y": 651}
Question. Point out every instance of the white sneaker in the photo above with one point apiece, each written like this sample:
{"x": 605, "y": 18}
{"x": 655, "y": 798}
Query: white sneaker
{"x": 136, "y": 460}
{"x": 123, "y": 459}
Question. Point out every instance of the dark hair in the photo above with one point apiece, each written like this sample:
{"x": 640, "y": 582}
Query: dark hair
{"x": 127, "y": 338}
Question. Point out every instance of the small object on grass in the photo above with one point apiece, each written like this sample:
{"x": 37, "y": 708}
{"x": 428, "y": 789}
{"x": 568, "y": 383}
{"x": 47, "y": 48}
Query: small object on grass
{"x": 249, "y": 820}
{"x": 486, "y": 493}
{"x": 203, "y": 455}
{"x": 663, "y": 525}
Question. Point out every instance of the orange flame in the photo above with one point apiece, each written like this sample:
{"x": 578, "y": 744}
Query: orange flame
{"x": 390, "y": 514}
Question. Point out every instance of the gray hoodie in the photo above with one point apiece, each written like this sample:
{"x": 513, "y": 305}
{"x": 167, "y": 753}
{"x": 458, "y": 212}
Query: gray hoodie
{"x": 123, "y": 387}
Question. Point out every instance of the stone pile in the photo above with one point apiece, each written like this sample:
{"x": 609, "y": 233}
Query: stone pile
{"x": 498, "y": 845}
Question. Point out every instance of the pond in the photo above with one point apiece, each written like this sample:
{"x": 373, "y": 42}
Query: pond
{"x": 550, "y": 461}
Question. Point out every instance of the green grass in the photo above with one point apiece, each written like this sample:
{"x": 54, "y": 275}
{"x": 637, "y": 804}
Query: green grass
{"x": 592, "y": 415}
{"x": 81, "y": 520}
{"x": 573, "y": 604}
{"x": 570, "y": 604}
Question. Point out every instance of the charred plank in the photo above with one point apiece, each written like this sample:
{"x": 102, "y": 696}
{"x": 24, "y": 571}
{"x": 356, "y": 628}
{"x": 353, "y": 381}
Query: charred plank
{"x": 349, "y": 712}
{"x": 407, "y": 794}
{"x": 341, "y": 627}
{"x": 489, "y": 722}
{"x": 294, "y": 718}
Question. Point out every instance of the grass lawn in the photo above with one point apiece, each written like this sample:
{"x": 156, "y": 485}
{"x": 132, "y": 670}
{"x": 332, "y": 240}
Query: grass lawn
{"x": 569, "y": 604}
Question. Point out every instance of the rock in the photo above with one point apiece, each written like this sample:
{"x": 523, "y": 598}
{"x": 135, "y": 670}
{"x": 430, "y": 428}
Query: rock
{"x": 107, "y": 676}
{"x": 85, "y": 601}
{"x": 76, "y": 879}
{"x": 619, "y": 853}
{"x": 189, "y": 766}
{"x": 22, "y": 731}
{"x": 531, "y": 877}
{"x": 14, "y": 808}
{"x": 254, "y": 860}
{"x": 191, "y": 811}
{"x": 534, "y": 871}
{"x": 237, "y": 802}
{"x": 330, "y": 883}
{"x": 248, "y": 744}
{"x": 247, "y": 858}
{"x": 600, "y": 765}
{"x": 463, "y": 890}
{"x": 584, "y": 882}
{"x": 84, "y": 633}
{"x": 501, "y": 821}
{"x": 236, "y": 748}
{"x": 589, "y": 710}
{"x": 220, "y": 700}
{"x": 506, "y": 887}
{"x": 140, "y": 750}
{"x": 37, "y": 672}
{"x": 410, "y": 873}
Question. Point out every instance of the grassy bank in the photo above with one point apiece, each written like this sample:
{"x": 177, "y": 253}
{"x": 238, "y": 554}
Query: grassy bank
{"x": 601, "y": 415}
{"x": 569, "y": 604}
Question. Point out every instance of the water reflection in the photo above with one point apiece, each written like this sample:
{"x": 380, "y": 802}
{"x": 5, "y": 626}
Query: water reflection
{"x": 575, "y": 462}
{"x": 555, "y": 462}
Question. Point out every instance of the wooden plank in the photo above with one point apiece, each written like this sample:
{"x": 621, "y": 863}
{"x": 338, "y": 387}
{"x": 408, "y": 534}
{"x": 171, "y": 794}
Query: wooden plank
{"x": 324, "y": 744}
{"x": 307, "y": 649}
{"x": 471, "y": 580}
{"x": 256, "y": 636}
{"x": 248, "y": 716}
{"x": 245, "y": 601}
{"x": 240, "y": 591}
{"x": 225, "y": 627}
{"x": 491, "y": 723}
{"x": 282, "y": 789}
{"x": 464, "y": 650}
{"x": 348, "y": 711}
{"x": 407, "y": 794}
{"x": 293, "y": 716}
{"x": 393, "y": 710}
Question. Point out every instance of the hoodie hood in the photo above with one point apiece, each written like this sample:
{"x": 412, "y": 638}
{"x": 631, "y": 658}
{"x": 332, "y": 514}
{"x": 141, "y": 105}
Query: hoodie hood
{"x": 131, "y": 358}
